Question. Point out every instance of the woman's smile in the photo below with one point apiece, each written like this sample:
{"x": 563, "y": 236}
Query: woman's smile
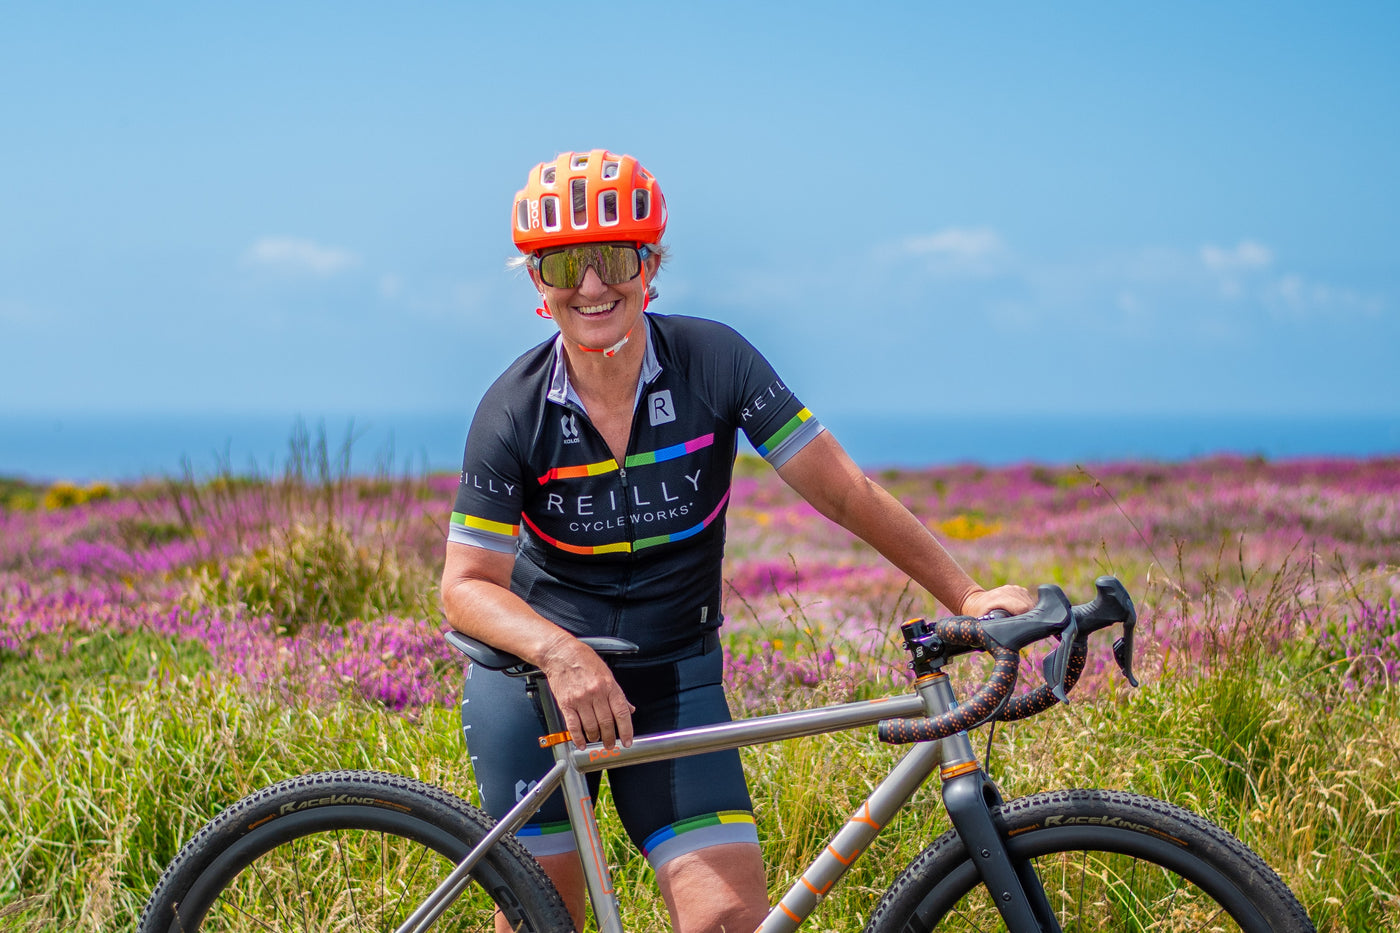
{"x": 595, "y": 310}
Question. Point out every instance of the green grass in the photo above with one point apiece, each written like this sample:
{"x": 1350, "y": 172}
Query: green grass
{"x": 103, "y": 779}
{"x": 57, "y": 664}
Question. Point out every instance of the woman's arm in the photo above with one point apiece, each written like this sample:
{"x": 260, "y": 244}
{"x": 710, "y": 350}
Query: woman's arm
{"x": 824, "y": 474}
{"x": 477, "y": 599}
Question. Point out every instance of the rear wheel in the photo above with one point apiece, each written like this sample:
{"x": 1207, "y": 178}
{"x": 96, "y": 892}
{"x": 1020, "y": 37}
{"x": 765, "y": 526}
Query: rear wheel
{"x": 346, "y": 850}
{"x": 1108, "y": 861}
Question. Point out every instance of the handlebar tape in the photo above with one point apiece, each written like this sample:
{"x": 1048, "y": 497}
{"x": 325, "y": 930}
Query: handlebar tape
{"x": 982, "y": 705}
{"x": 1043, "y": 697}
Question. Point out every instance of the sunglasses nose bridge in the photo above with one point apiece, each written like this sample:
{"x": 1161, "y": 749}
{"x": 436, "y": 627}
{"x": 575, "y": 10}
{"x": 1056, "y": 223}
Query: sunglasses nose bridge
{"x": 592, "y": 267}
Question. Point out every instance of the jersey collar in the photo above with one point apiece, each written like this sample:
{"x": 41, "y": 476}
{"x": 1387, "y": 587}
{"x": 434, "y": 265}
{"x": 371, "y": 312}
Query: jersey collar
{"x": 561, "y": 392}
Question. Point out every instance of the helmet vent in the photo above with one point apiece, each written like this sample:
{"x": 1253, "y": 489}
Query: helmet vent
{"x": 578, "y": 161}
{"x": 611, "y": 169}
{"x": 547, "y": 175}
{"x": 522, "y": 215}
{"x": 549, "y": 206}
{"x": 578, "y": 198}
{"x": 641, "y": 204}
{"x": 607, "y": 208}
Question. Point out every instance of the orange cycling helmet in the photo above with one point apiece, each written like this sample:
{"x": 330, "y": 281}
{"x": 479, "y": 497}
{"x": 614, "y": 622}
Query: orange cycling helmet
{"x": 585, "y": 197}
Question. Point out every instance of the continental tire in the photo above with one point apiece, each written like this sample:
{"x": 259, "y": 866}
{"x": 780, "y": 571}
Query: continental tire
{"x": 1108, "y": 861}
{"x": 345, "y": 850}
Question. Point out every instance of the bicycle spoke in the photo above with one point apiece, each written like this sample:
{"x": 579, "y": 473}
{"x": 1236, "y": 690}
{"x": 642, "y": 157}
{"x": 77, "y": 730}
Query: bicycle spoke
{"x": 301, "y": 887}
{"x": 345, "y": 874}
{"x": 404, "y": 884}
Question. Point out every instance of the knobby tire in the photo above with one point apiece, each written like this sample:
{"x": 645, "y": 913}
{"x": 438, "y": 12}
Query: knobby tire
{"x": 346, "y": 850}
{"x": 1108, "y": 861}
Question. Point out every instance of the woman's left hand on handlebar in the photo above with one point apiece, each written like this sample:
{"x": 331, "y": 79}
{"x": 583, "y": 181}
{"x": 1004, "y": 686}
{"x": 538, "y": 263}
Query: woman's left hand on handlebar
{"x": 1010, "y": 598}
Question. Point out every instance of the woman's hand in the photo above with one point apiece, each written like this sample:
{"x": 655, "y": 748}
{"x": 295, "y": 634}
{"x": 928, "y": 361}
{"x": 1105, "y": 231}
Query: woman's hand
{"x": 593, "y": 705}
{"x": 1012, "y": 599}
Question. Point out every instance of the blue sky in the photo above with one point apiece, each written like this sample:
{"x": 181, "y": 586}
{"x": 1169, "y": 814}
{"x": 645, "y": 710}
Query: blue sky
{"x": 936, "y": 208}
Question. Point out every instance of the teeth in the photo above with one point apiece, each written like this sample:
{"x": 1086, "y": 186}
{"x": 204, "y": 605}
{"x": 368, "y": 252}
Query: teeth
{"x": 596, "y": 309}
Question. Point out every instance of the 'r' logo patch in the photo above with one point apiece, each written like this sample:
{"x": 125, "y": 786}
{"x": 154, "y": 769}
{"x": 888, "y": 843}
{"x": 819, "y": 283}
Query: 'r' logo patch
{"x": 660, "y": 408}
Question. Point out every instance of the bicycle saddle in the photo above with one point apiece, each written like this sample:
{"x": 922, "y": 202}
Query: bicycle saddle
{"x": 493, "y": 659}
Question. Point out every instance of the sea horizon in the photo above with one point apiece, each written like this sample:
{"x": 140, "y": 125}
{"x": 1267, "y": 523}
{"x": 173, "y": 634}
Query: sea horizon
{"x": 86, "y": 447}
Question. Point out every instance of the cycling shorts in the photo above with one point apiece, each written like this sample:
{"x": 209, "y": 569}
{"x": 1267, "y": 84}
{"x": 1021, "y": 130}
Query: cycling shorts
{"x": 667, "y": 807}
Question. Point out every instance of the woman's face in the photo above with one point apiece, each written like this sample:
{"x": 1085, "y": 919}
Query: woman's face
{"x": 595, "y": 314}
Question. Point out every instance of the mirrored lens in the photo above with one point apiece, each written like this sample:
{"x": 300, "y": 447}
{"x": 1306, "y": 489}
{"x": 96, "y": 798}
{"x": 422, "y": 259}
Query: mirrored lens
{"x": 565, "y": 268}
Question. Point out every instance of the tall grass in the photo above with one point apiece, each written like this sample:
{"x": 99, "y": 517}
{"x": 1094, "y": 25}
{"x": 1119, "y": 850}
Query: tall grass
{"x": 243, "y": 630}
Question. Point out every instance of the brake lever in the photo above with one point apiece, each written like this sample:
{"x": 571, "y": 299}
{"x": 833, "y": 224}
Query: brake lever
{"x": 1112, "y": 605}
{"x": 1055, "y": 667}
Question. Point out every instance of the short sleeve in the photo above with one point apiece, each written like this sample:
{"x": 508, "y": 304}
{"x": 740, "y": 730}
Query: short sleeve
{"x": 490, "y": 494}
{"x": 771, "y": 416}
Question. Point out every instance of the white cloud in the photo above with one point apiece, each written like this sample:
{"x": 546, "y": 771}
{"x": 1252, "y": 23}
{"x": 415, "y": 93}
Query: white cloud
{"x": 957, "y": 244}
{"x": 1245, "y": 255}
{"x": 958, "y": 251}
{"x": 291, "y": 254}
{"x": 1297, "y": 296}
{"x": 14, "y": 312}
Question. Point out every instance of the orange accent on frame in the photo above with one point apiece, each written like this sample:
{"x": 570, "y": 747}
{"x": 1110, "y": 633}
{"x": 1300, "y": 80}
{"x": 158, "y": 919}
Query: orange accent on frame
{"x": 791, "y": 916}
{"x": 863, "y": 816}
{"x": 557, "y": 738}
{"x": 965, "y": 768}
{"x": 844, "y": 860}
{"x": 596, "y": 845}
{"x": 927, "y": 678}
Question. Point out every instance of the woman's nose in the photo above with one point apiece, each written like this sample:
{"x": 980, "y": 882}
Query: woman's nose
{"x": 592, "y": 282}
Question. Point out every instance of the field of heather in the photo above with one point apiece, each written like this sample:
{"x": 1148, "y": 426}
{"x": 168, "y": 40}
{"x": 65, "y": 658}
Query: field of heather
{"x": 169, "y": 646}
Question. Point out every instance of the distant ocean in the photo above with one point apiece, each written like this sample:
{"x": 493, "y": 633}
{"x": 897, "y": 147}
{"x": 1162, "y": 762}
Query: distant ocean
{"x": 86, "y": 447}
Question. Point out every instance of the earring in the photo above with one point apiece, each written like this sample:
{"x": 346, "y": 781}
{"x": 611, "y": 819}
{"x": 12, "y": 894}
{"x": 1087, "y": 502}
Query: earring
{"x": 543, "y": 309}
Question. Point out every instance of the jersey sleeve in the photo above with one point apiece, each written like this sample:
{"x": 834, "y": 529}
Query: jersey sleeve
{"x": 771, "y": 416}
{"x": 490, "y": 493}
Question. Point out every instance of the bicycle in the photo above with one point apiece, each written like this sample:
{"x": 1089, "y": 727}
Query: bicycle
{"x": 347, "y": 850}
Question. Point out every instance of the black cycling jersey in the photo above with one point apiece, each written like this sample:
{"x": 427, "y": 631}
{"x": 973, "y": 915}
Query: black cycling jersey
{"x": 632, "y": 549}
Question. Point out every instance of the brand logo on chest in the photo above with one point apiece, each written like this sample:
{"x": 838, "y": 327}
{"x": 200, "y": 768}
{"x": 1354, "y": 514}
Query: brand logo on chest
{"x": 660, "y": 408}
{"x": 569, "y": 425}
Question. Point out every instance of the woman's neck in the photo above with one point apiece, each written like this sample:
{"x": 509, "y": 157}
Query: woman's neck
{"x": 607, "y": 380}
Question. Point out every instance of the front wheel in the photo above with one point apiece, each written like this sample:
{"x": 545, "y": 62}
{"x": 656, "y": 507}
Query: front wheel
{"x": 1107, "y": 861}
{"x": 346, "y": 850}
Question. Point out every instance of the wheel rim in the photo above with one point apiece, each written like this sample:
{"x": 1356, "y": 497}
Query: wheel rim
{"x": 360, "y": 876}
{"x": 1098, "y": 892}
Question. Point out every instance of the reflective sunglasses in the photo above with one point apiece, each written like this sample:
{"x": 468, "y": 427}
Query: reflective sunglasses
{"x": 615, "y": 263}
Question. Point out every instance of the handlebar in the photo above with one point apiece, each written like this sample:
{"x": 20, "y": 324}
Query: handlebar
{"x": 930, "y": 644}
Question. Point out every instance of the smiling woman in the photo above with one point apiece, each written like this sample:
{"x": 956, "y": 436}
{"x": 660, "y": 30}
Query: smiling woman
{"x": 608, "y": 455}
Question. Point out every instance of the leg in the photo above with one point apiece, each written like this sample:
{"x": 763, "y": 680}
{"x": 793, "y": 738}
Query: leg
{"x": 499, "y": 721}
{"x": 718, "y": 888}
{"x": 692, "y": 817}
{"x": 567, "y": 874}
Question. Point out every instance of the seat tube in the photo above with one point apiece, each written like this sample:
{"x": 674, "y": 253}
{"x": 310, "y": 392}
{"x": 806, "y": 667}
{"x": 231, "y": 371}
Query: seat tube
{"x": 578, "y": 804}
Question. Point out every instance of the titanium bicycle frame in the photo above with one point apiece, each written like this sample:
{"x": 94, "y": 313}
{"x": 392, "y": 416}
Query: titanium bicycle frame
{"x": 967, "y": 793}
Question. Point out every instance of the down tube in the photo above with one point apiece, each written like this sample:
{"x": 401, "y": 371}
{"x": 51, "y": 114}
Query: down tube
{"x": 853, "y": 838}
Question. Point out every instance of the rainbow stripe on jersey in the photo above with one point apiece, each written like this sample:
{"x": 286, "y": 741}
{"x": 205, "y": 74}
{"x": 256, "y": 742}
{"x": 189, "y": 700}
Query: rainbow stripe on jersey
{"x": 633, "y": 460}
{"x": 783, "y": 433}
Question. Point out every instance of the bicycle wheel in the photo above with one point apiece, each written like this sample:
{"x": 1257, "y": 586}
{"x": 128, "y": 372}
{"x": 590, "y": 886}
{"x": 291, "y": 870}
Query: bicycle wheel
{"x": 345, "y": 850}
{"x": 1108, "y": 861}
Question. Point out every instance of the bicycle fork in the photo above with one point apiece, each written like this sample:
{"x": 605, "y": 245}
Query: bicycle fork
{"x": 969, "y": 795}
